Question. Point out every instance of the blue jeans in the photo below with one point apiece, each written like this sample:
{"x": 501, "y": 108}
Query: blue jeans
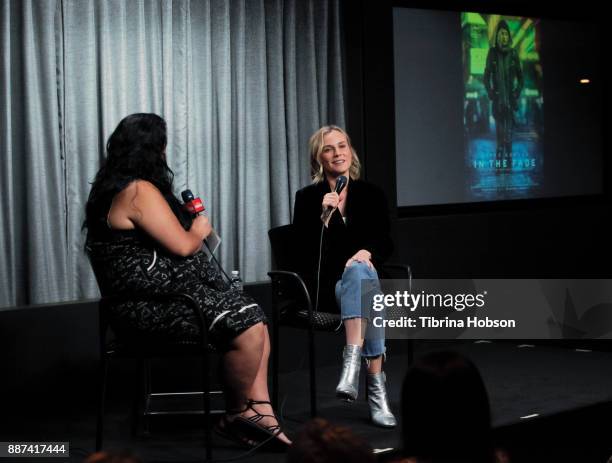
{"x": 348, "y": 296}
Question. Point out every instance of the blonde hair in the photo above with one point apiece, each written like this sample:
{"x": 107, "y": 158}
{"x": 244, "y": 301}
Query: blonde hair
{"x": 316, "y": 145}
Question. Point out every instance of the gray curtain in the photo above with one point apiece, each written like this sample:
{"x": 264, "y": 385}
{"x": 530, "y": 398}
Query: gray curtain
{"x": 241, "y": 83}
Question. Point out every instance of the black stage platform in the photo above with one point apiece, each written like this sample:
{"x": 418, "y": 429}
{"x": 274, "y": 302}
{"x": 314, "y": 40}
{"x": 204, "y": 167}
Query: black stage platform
{"x": 549, "y": 403}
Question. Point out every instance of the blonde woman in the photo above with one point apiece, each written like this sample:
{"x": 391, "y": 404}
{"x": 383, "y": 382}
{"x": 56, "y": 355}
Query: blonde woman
{"x": 343, "y": 239}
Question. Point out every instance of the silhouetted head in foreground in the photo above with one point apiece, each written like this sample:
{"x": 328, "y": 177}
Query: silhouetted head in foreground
{"x": 322, "y": 442}
{"x": 124, "y": 456}
{"x": 445, "y": 411}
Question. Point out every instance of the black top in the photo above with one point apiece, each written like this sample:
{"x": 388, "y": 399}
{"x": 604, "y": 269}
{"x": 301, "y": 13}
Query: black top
{"x": 366, "y": 227}
{"x": 132, "y": 261}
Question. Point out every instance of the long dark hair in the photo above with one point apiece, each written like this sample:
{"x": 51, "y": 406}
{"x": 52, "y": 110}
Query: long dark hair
{"x": 135, "y": 150}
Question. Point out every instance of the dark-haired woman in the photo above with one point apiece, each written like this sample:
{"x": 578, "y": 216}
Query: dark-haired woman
{"x": 140, "y": 238}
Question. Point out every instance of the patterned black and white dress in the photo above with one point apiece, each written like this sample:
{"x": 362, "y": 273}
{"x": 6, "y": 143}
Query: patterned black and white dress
{"x": 129, "y": 260}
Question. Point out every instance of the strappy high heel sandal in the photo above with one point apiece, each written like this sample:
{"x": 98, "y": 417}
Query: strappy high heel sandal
{"x": 226, "y": 429}
{"x": 247, "y": 430}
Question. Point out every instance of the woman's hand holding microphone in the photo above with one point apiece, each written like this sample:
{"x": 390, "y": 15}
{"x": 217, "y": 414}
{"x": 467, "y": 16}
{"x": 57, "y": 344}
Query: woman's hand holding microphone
{"x": 201, "y": 227}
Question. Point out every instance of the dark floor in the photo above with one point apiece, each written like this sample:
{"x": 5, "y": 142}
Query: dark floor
{"x": 567, "y": 392}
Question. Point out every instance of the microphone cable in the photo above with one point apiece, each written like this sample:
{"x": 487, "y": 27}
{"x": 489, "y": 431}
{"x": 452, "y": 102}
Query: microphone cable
{"x": 217, "y": 263}
{"x": 340, "y": 184}
{"x": 316, "y": 307}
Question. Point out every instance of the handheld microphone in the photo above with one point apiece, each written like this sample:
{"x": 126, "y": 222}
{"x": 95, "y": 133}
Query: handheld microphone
{"x": 340, "y": 184}
{"x": 192, "y": 204}
{"x": 195, "y": 206}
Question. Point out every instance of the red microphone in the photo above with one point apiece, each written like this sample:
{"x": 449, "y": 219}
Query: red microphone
{"x": 193, "y": 205}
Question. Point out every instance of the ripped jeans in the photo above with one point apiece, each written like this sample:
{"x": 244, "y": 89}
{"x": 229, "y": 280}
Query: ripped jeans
{"x": 348, "y": 296}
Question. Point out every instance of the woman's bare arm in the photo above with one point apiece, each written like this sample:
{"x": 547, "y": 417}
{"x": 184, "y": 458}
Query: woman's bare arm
{"x": 142, "y": 205}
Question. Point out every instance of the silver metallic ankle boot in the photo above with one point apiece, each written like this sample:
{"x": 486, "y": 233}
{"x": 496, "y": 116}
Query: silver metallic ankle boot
{"x": 348, "y": 387}
{"x": 380, "y": 412}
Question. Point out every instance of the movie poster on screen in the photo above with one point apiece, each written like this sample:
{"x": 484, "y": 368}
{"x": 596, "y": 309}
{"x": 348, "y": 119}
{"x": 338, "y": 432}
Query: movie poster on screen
{"x": 503, "y": 106}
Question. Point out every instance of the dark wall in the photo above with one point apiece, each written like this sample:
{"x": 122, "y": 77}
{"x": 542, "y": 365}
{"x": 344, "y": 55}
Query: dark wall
{"x": 565, "y": 241}
{"x": 544, "y": 238}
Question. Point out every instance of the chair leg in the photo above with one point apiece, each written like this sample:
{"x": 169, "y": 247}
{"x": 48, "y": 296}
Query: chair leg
{"x": 103, "y": 375}
{"x": 141, "y": 391}
{"x": 146, "y": 405}
{"x": 275, "y": 359}
{"x": 313, "y": 378}
{"x": 206, "y": 397}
